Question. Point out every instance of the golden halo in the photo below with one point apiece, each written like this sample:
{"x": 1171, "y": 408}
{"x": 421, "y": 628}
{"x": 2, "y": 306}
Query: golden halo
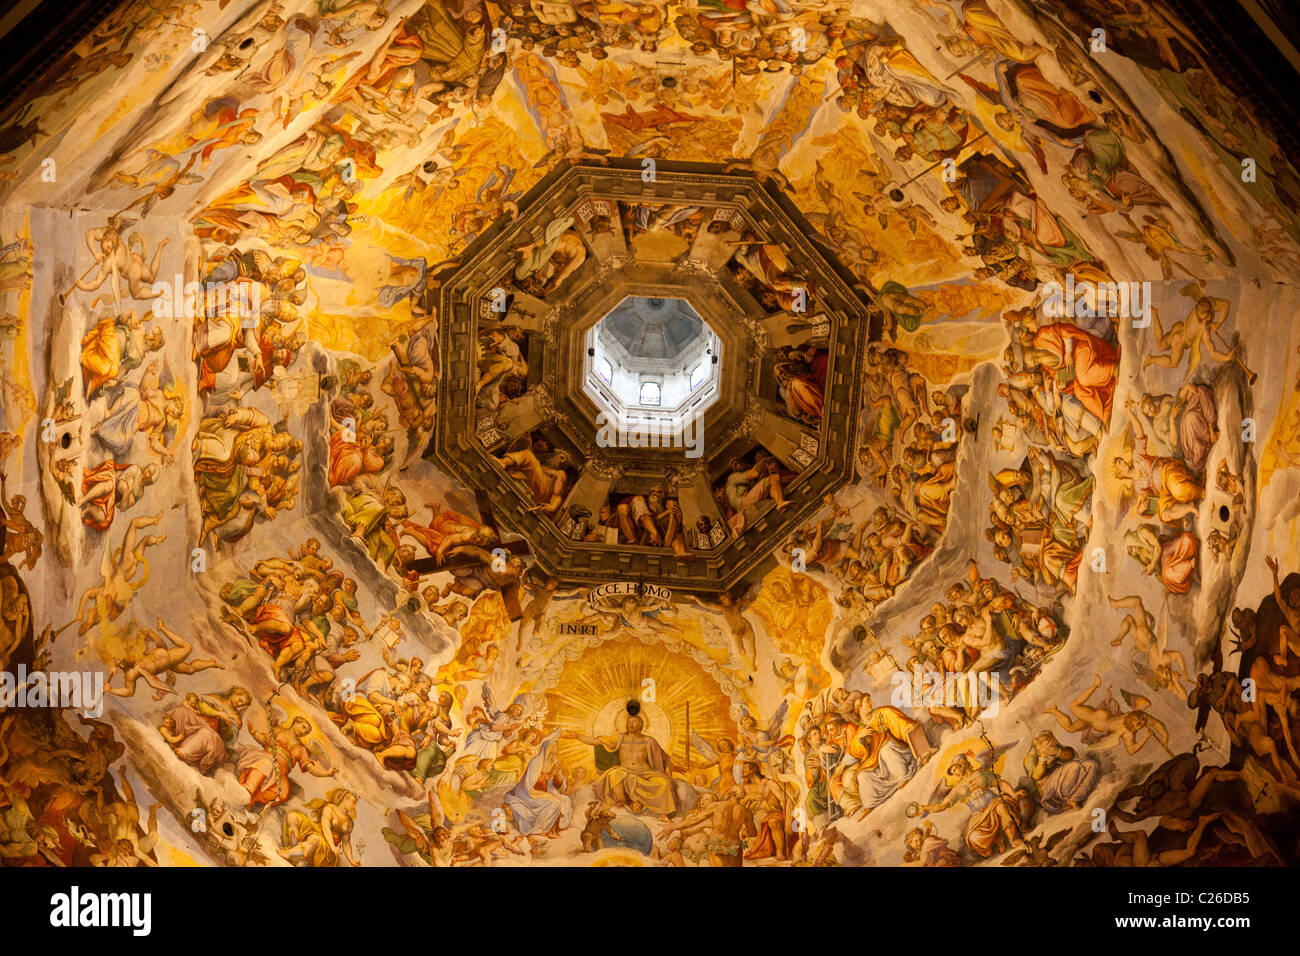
{"x": 612, "y": 719}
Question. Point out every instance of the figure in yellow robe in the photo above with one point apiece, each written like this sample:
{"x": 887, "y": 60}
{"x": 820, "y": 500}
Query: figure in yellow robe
{"x": 881, "y": 757}
{"x": 984, "y": 28}
{"x": 369, "y": 728}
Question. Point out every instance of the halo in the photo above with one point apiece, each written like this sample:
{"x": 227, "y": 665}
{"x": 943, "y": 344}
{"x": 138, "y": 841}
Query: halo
{"x": 612, "y": 719}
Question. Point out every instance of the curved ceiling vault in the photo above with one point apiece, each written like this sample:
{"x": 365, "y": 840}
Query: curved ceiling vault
{"x": 786, "y": 407}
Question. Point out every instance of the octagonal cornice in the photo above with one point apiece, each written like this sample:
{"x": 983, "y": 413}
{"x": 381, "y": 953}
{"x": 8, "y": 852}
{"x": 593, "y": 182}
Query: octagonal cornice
{"x": 513, "y": 379}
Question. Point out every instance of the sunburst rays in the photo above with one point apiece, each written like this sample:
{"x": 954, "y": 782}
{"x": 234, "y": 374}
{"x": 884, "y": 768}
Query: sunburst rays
{"x": 592, "y": 690}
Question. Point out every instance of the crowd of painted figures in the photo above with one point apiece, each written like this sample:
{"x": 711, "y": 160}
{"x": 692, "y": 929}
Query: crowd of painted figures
{"x": 304, "y": 625}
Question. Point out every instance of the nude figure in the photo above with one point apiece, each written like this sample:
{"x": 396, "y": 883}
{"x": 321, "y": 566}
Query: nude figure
{"x": 1192, "y": 335}
{"x": 982, "y": 637}
{"x": 117, "y": 567}
{"x": 535, "y": 609}
{"x": 158, "y": 659}
{"x": 1134, "y": 850}
{"x": 15, "y": 616}
{"x": 1246, "y": 723}
{"x": 1274, "y": 690}
{"x": 124, "y": 261}
{"x": 21, "y": 536}
{"x": 1170, "y": 667}
{"x": 1118, "y": 728}
{"x": 1288, "y": 635}
{"x": 121, "y": 818}
{"x": 1138, "y": 623}
{"x": 111, "y": 256}
{"x": 726, "y": 821}
{"x": 742, "y": 632}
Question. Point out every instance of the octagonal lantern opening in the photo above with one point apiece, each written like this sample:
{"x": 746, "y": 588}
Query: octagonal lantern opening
{"x": 652, "y": 366}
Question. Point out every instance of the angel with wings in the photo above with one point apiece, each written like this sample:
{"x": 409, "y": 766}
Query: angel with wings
{"x": 997, "y": 809}
{"x": 427, "y": 840}
{"x": 1109, "y": 725}
{"x": 732, "y": 607}
{"x": 617, "y": 613}
{"x": 795, "y": 676}
{"x": 766, "y": 745}
{"x": 721, "y": 754}
{"x": 489, "y": 726}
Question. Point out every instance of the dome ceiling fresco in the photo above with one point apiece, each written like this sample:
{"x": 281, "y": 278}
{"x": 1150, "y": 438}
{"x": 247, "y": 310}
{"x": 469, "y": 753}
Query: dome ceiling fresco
{"x": 654, "y": 328}
{"x": 706, "y": 433}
